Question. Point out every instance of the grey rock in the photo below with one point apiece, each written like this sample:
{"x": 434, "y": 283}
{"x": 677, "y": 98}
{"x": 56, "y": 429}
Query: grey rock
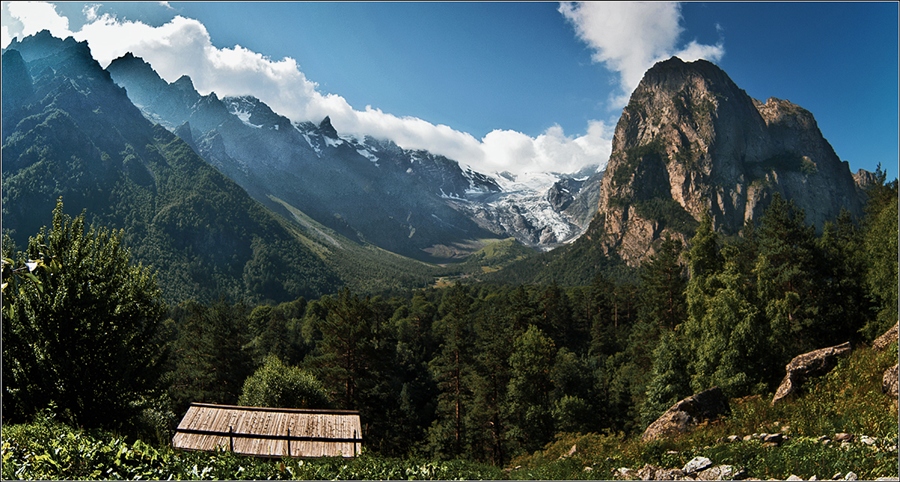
{"x": 775, "y": 438}
{"x": 719, "y": 472}
{"x": 697, "y": 464}
{"x": 814, "y": 363}
{"x": 652, "y": 472}
{"x": 680, "y": 417}
{"x": 889, "y": 384}
{"x": 886, "y": 338}
{"x": 850, "y": 476}
{"x": 794, "y": 477}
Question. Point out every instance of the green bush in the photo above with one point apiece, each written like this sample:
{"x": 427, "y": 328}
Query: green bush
{"x": 277, "y": 385}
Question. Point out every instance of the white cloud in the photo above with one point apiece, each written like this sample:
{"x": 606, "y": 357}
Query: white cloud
{"x": 90, "y": 11}
{"x": 34, "y": 17}
{"x": 183, "y": 47}
{"x": 629, "y": 37}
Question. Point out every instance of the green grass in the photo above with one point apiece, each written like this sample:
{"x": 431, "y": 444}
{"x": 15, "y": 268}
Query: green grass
{"x": 848, "y": 399}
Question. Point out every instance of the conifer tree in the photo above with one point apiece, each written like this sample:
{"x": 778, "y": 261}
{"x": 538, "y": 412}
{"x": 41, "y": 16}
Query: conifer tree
{"x": 451, "y": 370}
{"x": 530, "y": 387}
{"x": 785, "y": 279}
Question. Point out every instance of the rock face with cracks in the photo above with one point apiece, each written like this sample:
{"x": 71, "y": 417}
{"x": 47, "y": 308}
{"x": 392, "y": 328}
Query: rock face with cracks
{"x": 802, "y": 367}
{"x": 690, "y": 141}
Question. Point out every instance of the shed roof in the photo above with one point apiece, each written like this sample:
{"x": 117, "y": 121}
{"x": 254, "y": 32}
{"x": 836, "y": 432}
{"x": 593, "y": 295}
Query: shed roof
{"x": 270, "y": 432}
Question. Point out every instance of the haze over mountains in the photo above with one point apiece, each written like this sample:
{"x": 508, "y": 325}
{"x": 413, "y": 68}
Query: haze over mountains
{"x": 688, "y": 142}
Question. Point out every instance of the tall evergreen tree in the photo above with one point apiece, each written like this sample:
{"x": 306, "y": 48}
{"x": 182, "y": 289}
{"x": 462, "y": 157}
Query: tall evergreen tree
{"x": 209, "y": 362}
{"x": 451, "y": 370}
{"x": 785, "y": 279}
{"x": 530, "y": 387}
{"x": 662, "y": 287}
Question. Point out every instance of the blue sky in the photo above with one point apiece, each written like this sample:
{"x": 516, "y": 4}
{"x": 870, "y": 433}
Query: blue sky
{"x": 505, "y": 86}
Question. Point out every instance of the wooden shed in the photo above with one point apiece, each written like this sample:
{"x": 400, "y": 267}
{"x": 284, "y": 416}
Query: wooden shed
{"x": 270, "y": 432}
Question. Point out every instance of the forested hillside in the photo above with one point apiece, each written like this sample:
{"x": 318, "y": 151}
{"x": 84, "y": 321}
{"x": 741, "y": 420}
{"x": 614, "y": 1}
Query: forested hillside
{"x": 70, "y": 132}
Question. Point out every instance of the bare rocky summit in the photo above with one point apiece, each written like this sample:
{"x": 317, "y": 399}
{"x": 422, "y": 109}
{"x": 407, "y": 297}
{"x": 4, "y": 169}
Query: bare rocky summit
{"x": 690, "y": 141}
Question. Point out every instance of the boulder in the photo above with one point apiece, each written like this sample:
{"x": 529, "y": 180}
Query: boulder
{"x": 679, "y": 418}
{"x": 719, "y": 472}
{"x": 697, "y": 464}
{"x": 652, "y": 472}
{"x": 886, "y": 339}
{"x": 889, "y": 381}
{"x": 812, "y": 364}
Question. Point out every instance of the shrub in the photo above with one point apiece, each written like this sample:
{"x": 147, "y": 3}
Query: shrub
{"x": 277, "y": 385}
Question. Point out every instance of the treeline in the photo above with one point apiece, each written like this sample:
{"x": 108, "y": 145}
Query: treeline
{"x": 487, "y": 372}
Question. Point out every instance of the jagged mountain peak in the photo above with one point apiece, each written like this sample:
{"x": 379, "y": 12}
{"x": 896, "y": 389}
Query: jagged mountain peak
{"x": 690, "y": 141}
{"x": 327, "y": 129}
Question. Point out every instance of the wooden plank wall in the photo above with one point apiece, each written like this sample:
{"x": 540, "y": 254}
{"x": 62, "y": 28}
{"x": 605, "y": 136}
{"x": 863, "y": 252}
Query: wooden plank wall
{"x": 245, "y": 430}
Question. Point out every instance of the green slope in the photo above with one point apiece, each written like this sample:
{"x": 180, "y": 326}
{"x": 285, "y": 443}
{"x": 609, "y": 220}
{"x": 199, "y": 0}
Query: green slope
{"x": 77, "y": 136}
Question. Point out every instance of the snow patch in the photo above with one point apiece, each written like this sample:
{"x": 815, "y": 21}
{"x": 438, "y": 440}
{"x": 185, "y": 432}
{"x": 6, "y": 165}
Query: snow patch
{"x": 368, "y": 155}
{"x": 244, "y": 116}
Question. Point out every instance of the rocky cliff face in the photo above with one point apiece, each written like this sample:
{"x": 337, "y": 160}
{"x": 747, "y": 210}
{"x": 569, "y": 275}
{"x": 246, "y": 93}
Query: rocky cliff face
{"x": 690, "y": 141}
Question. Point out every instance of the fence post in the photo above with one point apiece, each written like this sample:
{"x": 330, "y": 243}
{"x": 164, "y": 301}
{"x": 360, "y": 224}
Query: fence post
{"x": 354, "y": 443}
{"x": 289, "y": 443}
{"x": 230, "y": 438}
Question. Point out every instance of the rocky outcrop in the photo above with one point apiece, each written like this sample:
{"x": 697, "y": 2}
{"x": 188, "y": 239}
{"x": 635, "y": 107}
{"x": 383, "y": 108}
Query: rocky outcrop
{"x": 679, "y": 418}
{"x": 888, "y": 337}
{"x": 802, "y": 367}
{"x": 690, "y": 141}
{"x": 889, "y": 382}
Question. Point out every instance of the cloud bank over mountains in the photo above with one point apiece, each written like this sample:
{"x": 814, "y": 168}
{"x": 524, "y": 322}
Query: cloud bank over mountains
{"x": 183, "y": 46}
{"x": 609, "y": 29}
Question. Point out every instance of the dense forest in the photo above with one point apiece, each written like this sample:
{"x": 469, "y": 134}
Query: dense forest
{"x": 476, "y": 371}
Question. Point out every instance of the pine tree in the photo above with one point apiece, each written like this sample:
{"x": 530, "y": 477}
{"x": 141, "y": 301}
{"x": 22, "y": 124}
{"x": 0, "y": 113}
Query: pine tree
{"x": 209, "y": 362}
{"x": 669, "y": 379}
{"x": 785, "y": 280}
{"x": 530, "y": 386}
{"x": 451, "y": 370}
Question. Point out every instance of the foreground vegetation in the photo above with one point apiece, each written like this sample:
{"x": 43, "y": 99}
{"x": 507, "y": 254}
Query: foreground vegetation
{"x": 847, "y": 399}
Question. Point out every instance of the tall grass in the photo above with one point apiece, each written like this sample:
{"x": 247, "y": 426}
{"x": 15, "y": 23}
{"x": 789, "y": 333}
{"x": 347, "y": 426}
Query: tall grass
{"x": 848, "y": 399}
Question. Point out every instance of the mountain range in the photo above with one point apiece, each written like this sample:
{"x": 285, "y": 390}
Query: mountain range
{"x": 227, "y": 198}
{"x": 411, "y": 202}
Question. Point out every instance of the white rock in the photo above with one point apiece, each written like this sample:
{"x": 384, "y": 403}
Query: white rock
{"x": 697, "y": 464}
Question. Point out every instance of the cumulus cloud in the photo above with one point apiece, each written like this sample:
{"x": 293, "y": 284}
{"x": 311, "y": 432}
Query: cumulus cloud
{"x": 37, "y": 16}
{"x": 629, "y": 37}
{"x": 183, "y": 47}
